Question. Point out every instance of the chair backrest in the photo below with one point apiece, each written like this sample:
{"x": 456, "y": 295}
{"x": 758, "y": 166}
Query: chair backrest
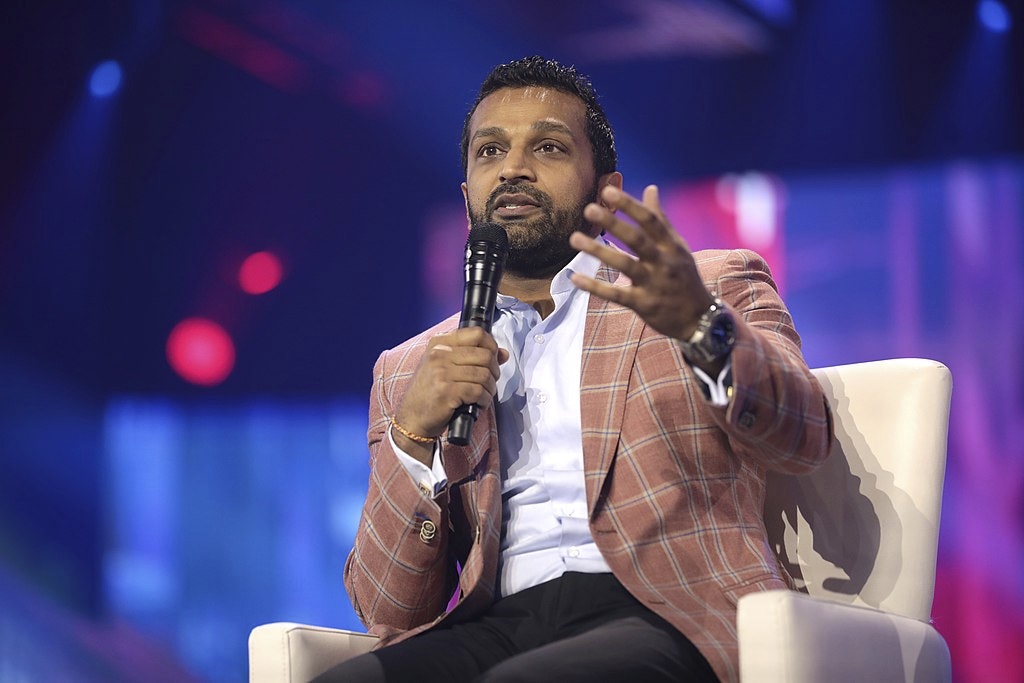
{"x": 863, "y": 528}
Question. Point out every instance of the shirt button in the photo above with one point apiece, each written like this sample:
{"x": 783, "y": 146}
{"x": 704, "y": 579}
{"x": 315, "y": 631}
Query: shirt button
{"x": 542, "y": 397}
{"x": 539, "y": 338}
{"x": 574, "y": 552}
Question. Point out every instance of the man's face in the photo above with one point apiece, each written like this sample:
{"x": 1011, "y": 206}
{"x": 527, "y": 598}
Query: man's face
{"x": 531, "y": 170}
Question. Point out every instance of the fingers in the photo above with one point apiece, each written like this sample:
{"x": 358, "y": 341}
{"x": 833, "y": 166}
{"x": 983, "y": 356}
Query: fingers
{"x": 665, "y": 288}
{"x": 462, "y": 374}
{"x": 649, "y": 229}
{"x": 621, "y": 295}
{"x": 652, "y": 200}
{"x": 460, "y": 367}
{"x": 615, "y": 258}
{"x": 471, "y": 347}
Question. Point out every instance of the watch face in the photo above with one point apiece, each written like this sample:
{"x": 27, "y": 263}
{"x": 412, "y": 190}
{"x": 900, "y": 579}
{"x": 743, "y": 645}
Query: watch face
{"x": 715, "y": 335}
{"x": 722, "y": 333}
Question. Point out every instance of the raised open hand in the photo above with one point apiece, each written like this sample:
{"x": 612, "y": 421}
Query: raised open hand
{"x": 666, "y": 290}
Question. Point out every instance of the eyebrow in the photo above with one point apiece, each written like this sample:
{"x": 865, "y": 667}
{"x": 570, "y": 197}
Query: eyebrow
{"x": 552, "y": 127}
{"x": 538, "y": 127}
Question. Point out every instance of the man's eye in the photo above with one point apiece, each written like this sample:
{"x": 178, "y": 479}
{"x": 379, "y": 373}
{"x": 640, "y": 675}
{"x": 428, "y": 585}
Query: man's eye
{"x": 489, "y": 151}
{"x": 549, "y": 148}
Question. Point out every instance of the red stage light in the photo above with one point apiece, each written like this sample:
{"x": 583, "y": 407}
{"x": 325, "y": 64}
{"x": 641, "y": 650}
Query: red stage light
{"x": 260, "y": 273}
{"x": 201, "y": 351}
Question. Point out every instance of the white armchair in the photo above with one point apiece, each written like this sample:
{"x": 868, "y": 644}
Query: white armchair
{"x": 860, "y": 536}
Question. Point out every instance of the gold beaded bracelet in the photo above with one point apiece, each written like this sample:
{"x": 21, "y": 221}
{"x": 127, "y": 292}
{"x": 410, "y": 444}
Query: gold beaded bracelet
{"x": 409, "y": 435}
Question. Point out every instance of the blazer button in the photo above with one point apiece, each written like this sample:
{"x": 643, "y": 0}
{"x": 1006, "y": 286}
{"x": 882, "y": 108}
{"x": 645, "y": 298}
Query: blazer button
{"x": 747, "y": 418}
{"x": 427, "y": 531}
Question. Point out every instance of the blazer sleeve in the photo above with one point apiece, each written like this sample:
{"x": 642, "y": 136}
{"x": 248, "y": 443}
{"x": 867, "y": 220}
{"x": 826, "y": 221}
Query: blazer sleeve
{"x": 398, "y": 574}
{"x": 777, "y": 414}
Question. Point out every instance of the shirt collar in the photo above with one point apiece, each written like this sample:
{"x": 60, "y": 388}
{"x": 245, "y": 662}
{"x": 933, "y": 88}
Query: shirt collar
{"x": 583, "y": 263}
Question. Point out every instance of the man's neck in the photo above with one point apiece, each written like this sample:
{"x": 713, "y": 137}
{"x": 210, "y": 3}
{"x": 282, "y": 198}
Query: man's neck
{"x": 533, "y": 291}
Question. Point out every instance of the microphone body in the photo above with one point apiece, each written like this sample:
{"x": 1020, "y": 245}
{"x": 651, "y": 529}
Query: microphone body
{"x": 486, "y": 251}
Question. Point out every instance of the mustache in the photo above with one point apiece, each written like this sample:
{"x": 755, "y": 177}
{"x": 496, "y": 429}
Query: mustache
{"x": 542, "y": 199}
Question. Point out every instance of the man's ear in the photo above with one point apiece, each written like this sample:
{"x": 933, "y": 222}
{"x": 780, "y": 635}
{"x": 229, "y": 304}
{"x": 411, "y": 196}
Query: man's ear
{"x": 614, "y": 179}
{"x": 465, "y": 200}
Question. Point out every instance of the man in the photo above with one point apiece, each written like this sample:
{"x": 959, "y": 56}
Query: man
{"x": 606, "y": 514}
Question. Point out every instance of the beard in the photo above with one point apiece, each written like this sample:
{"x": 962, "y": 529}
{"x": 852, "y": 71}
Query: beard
{"x": 538, "y": 247}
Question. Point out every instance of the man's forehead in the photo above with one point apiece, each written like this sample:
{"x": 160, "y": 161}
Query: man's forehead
{"x": 525, "y": 106}
{"x": 533, "y": 92}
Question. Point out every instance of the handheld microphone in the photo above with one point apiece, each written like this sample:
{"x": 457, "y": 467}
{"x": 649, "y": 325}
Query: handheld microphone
{"x": 486, "y": 250}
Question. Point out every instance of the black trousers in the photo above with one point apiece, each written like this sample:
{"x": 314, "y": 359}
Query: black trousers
{"x": 579, "y": 627}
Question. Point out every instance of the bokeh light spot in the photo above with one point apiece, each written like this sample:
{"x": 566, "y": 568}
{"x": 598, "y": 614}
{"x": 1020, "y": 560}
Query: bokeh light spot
{"x": 260, "y": 273}
{"x": 994, "y": 16}
{"x": 105, "y": 79}
{"x": 201, "y": 351}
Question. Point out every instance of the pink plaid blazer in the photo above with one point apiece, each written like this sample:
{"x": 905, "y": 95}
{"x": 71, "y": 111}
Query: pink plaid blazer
{"x": 675, "y": 486}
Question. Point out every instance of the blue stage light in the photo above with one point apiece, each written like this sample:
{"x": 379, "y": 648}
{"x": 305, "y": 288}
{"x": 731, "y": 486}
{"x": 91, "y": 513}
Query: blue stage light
{"x": 994, "y": 16}
{"x": 106, "y": 79}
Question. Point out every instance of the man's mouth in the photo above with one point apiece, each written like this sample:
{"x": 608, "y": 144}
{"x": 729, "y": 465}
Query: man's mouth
{"x": 514, "y": 205}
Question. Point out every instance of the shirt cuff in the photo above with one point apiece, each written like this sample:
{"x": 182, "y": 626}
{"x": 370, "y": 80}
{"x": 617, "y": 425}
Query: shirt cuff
{"x": 718, "y": 391}
{"x": 431, "y": 480}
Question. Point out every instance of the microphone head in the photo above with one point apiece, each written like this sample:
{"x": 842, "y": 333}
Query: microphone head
{"x": 491, "y": 233}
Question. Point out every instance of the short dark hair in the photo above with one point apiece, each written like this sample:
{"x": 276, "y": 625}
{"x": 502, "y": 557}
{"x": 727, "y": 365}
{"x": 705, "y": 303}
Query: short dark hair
{"x": 536, "y": 71}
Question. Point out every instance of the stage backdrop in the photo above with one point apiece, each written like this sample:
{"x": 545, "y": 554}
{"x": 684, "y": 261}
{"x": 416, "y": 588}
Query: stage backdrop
{"x": 226, "y": 514}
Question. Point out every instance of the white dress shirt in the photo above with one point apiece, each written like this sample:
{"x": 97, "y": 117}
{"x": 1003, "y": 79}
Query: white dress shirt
{"x": 545, "y": 530}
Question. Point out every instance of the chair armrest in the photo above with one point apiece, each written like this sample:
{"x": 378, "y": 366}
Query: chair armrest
{"x": 790, "y": 637}
{"x": 284, "y": 652}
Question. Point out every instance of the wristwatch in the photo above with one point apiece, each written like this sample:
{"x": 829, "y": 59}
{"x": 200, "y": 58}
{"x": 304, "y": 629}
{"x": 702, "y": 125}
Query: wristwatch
{"x": 714, "y": 337}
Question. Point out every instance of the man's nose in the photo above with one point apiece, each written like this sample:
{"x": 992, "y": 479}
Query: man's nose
{"x": 517, "y": 166}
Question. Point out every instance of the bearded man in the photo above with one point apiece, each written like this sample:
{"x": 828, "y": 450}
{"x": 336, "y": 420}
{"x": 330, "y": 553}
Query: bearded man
{"x": 606, "y": 514}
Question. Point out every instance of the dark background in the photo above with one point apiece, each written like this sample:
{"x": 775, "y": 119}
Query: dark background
{"x": 199, "y": 161}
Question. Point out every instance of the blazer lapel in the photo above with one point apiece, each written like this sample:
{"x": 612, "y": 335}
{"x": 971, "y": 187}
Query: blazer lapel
{"x": 610, "y": 340}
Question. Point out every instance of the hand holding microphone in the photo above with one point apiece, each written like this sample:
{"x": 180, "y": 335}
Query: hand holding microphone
{"x": 486, "y": 251}
{"x": 459, "y": 370}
